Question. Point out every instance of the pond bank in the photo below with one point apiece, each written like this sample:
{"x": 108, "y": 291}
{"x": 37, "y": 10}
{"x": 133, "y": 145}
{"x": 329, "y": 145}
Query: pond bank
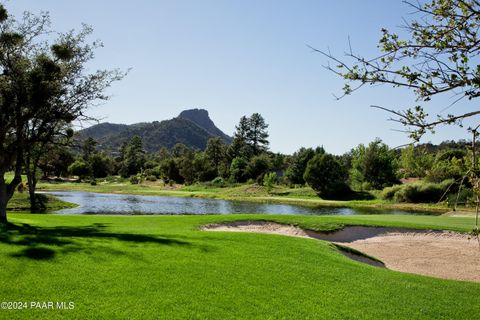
{"x": 246, "y": 193}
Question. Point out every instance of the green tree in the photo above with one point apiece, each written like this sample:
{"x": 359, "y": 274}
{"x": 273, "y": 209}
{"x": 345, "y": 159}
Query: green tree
{"x": 237, "y": 169}
{"x": 80, "y": 168}
{"x": 437, "y": 56}
{"x": 414, "y": 162}
{"x": 258, "y": 166}
{"x": 186, "y": 167}
{"x": 101, "y": 164}
{"x": 135, "y": 158}
{"x": 373, "y": 166}
{"x": 269, "y": 180}
{"x": 89, "y": 148}
{"x": 169, "y": 171}
{"x": 44, "y": 88}
{"x": 326, "y": 176}
{"x": 239, "y": 146}
{"x": 204, "y": 168}
{"x": 257, "y": 135}
{"x": 298, "y": 164}
{"x": 215, "y": 152}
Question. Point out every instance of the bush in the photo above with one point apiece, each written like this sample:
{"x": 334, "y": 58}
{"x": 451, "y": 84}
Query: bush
{"x": 218, "y": 182}
{"x": 466, "y": 196}
{"x": 326, "y": 176}
{"x": 419, "y": 192}
{"x": 389, "y": 192}
{"x": 269, "y": 180}
{"x": 134, "y": 180}
{"x": 151, "y": 178}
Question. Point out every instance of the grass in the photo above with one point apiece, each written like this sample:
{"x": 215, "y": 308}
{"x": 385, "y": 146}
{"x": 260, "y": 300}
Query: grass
{"x": 163, "y": 267}
{"x": 21, "y": 202}
{"x": 304, "y": 196}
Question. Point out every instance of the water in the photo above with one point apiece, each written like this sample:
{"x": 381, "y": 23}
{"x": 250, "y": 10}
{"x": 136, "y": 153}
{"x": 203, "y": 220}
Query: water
{"x": 102, "y": 203}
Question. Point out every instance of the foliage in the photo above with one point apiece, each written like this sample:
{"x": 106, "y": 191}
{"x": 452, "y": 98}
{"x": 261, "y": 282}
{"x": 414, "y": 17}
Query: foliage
{"x": 215, "y": 152}
{"x": 258, "y": 166}
{"x": 439, "y": 55}
{"x": 134, "y": 158}
{"x": 237, "y": 169}
{"x": 326, "y": 176}
{"x": 414, "y": 162}
{"x": 269, "y": 180}
{"x": 134, "y": 179}
{"x": 80, "y": 168}
{"x": 373, "y": 165}
{"x": 250, "y": 138}
{"x": 418, "y": 192}
{"x": 45, "y": 87}
{"x": 298, "y": 163}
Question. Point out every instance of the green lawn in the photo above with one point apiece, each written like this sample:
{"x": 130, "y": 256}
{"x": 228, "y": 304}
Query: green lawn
{"x": 163, "y": 267}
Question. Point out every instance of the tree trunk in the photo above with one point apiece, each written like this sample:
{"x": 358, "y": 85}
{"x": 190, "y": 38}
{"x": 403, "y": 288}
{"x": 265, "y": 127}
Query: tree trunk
{"x": 3, "y": 199}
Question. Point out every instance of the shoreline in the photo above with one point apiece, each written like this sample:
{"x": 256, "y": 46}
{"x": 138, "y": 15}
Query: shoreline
{"x": 304, "y": 202}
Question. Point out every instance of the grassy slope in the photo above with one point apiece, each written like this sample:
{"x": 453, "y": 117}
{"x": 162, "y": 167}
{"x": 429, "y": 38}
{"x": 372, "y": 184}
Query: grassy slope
{"x": 299, "y": 196}
{"x": 21, "y": 202}
{"x": 162, "y": 267}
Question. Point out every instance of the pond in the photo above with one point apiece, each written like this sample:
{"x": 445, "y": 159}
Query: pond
{"x": 102, "y": 203}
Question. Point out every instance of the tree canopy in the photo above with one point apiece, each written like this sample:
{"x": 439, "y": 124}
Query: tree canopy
{"x": 44, "y": 88}
{"x": 439, "y": 55}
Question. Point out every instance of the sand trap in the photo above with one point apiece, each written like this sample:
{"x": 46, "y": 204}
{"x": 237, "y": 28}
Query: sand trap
{"x": 441, "y": 254}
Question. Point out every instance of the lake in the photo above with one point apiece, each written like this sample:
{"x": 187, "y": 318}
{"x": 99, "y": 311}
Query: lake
{"x": 124, "y": 204}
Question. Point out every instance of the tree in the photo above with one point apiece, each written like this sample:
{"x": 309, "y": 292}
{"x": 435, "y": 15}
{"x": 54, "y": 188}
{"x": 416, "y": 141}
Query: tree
{"x": 257, "y": 135}
{"x": 215, "y": 152}
{"x": 326, "y": 176}
{"x": 298, "y": 164}
{"x": 134, "y": 159}
{"x": 80, "y": 168}
{"x": 373, "y": 166}
{"x": 44, "y": 87}
{"x": 186, "y": 167}
{"x": 250, "y": 137}
{"x": 239, "y": 146}
{"x": 440, "y": 55}
{"x": 258, "y": 166}
{"x": 237, "y": 169}
{"x": 88, "y": 148}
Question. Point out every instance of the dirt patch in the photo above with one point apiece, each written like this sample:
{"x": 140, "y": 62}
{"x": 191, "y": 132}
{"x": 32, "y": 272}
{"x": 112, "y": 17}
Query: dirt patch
{"x": 441, "y": 254}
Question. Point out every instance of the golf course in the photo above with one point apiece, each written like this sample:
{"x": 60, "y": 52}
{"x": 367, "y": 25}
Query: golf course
{"x": 250, "y": 160}
{"x": 165, "y": 267}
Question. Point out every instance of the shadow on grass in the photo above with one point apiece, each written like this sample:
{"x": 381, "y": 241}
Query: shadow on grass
{"x": 35, "y": 239}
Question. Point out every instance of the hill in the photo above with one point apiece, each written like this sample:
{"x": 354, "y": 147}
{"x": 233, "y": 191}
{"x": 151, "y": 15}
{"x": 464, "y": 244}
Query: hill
{"x": 192, "y": 127}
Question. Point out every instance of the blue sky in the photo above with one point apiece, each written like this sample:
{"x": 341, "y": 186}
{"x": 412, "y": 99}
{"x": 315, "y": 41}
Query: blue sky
{"x": 237, "y": 57}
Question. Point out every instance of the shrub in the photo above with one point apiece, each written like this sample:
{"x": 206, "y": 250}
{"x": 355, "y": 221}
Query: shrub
{"x": 269, "y": 180}
{"x": 218, "y": 182}
{"x": 326, "y": 176}
{"x": 389, "y": 192}
{"x": 151, "y": 178}
{"x": 419, "y": 192}
{"x": 134, "y": 180}
{"x": 466, "y": 196}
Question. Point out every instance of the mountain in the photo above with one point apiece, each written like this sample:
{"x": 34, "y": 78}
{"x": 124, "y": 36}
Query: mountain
{"x": 192, "y": 127}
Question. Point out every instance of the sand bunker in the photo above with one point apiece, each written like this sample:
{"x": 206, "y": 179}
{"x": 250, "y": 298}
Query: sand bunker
{"x": 441, "y": 254}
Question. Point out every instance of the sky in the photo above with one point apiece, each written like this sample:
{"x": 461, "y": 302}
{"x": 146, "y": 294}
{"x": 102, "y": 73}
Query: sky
{"x": 238, "y": 57}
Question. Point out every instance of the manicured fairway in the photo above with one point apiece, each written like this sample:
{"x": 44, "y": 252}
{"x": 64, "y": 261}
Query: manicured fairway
{"x": 163, "y": 267}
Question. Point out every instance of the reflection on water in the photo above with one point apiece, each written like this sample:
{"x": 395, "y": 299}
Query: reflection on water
{"x": 101, "y": 203}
